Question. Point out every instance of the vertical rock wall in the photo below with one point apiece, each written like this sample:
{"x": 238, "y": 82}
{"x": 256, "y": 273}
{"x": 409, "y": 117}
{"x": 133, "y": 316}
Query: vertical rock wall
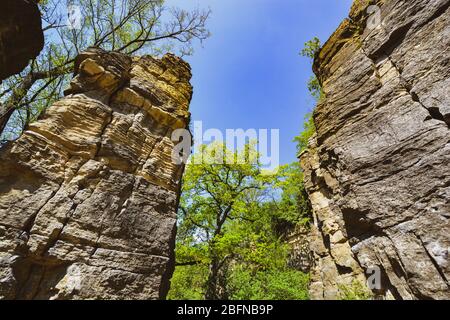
{"x": 378, "y": 170}
{"x": 89, "y": 193}
{"x": 299, "y": 257}
{"x": 21, "y": 36}
{"x": 333, "y": 266}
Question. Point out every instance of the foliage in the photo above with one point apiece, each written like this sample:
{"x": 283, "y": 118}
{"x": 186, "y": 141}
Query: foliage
{"x": 355, "y": 291}
{"x": 315, "y": 89}
{"x": 127, "y": 26}
{"x": 215, "y": 189}
{"x": 311, "y": 48}
{"x": 269, "y": 285}
{"x": 228, "y": 225}
{"x": 308, "y": 131}
{"x": 293, "y": 205}
{"x": 188, "y": 282}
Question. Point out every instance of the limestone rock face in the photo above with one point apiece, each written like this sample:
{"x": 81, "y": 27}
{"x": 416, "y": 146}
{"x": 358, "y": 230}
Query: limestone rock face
{"x": 21, "y": 36}
{"x": 377, "y": 172}
{"x": 89, "y": 193}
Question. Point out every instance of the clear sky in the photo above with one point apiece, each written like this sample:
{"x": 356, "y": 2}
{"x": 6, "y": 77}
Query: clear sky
{"x": 249, "y": 74}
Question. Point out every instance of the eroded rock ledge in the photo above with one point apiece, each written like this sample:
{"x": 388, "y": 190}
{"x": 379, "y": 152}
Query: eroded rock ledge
{"x": 88, "y": 194}
{"x": 378, "y": 170}
{"x": 21, "y": 36}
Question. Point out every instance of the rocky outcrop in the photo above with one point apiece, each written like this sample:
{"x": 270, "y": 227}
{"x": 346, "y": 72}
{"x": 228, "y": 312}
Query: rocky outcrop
{"x": 299, "y": 257}
{"x": 333, "y": 266}
{"x": 88, "y": 194}
{"x": 377, "y": 171}
{"x": 21, "y": 36}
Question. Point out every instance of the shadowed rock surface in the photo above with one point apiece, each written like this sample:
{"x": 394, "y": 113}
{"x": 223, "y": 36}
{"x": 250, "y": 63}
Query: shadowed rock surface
{"x": 299, "y": 257}
{"x": 21, "y": 36}
{"x": 88, "y": 194}
{"x": 377, "y": 172}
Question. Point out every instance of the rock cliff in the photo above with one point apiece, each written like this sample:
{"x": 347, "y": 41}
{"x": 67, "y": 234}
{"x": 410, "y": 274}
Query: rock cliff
{"x": 88, "y": 194}
{"x": 21, "y": 36}
{"x": 299, "y": 257}
{"x": 377, "y": 172}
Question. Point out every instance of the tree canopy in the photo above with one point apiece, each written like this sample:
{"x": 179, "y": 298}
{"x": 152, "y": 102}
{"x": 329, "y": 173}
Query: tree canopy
{"x": 231, "y": 227}
{"x": 128, "y": 26}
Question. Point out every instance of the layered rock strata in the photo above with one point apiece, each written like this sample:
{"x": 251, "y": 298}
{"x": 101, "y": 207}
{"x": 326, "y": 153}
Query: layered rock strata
{"x": 89, "y": 193}
{"x": 377, "y": 172}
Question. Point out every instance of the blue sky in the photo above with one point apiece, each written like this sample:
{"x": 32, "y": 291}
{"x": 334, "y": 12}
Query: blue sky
{"x": 249, "y": 73}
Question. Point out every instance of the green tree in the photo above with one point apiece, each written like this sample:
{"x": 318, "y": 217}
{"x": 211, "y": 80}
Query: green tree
{"x": 188, "y": 282}
{"x": 213, "y": 195}
{"x": 309, "y": 129}
{"x": 292, "y": 202}
{"x": 310, "y": 50}
{"x": 228, "y": 227}
{"x": 269, "y": 285}
{"x": 315, "y": 89}
{"x": 128, "y": 26}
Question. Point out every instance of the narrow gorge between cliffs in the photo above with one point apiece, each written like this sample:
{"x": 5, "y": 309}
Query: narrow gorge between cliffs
{"x": 132, "y": 166}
